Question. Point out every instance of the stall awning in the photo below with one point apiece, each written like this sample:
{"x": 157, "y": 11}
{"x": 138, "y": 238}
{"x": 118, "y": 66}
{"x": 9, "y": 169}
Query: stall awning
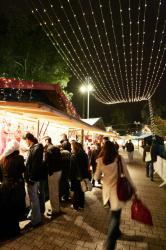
{"x": 42, "y": 111}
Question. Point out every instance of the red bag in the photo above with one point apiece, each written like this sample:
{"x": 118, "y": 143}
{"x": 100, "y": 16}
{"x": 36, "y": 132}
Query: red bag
{"x": 141, "y": 213}
{"x": 124, "y": 188}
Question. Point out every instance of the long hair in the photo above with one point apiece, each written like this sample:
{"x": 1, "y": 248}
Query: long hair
{"x": 76, "y": 147}
{"x": 108, "y": 153}
{"x": 7, "y": 161}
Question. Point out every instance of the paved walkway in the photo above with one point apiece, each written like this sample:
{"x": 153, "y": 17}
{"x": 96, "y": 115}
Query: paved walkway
{"x": 87, "y": 229}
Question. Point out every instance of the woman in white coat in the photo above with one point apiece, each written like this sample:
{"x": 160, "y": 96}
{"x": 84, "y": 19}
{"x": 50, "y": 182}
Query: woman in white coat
{"x": 108, "y": 167}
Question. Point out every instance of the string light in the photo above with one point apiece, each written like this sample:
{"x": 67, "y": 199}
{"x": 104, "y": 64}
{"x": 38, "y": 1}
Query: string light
{"x": 155, "y": 84}
{"x": 59, "y": 49}
{"x": 131, "y": 57}
{"x": 87, "y": 48}
{"x": 137, "y": 46}
{"x": 155, "y": 64}
{"x": 142, "y": 53}
{"x": 151, "y": 116}
{"x": 110, "y": 52}
{"x": 50, "y": 21}
{"x": 78, "y": 41}
{"x": 153, "y": 44}
{"x": 119, "y": 95}
{"x": 123, "y": 45}
{"x": 118, "y": 67}
{"x": 94, "y": 46}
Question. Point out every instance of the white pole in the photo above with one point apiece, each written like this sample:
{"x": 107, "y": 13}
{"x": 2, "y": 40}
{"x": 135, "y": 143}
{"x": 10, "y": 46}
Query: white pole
{"x": 88, "y": 95}
{"x": 88, "y": 104}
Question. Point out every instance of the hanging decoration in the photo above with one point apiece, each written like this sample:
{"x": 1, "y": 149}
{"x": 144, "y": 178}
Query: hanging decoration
{"x": 151, "y": 117}
{"x": 119, "y": 44}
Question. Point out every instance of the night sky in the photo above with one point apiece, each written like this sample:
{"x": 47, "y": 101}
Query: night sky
{"x": 103, "y": 87}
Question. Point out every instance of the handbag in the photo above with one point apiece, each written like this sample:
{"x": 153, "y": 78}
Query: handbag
{"x": 86, "y": 185}
{"x": 124, "y": 188}
{"x": 141, "y": 213}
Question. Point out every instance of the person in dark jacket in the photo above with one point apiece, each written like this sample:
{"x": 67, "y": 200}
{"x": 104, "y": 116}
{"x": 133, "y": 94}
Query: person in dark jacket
{"x": 78, "y": 171}
{"x": 65, "y": 140}
{"x": 53, "y": 161}
{"x": 147, "y": 158}
{"x": 12, "y": 190}
{"x": 64, "y": 182}
{"x": 130, "y": 150}
{"x": 33, "y": 175}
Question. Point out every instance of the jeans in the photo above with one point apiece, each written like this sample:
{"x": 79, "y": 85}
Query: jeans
{"x": 113, "y": 230}
{"x": 42, "y": 196}
{"x": 34, "y": 213}
{"x": 149, "y": 169}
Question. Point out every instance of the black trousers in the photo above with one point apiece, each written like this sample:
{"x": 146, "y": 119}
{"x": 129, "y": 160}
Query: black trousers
{"x": 78, "y": 199}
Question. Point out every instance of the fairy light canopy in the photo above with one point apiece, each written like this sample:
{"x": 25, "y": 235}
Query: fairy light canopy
{"x": 119, "y": 44}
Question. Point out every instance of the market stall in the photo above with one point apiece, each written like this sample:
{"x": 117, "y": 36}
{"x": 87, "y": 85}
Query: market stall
{"x": 40, "y": 109}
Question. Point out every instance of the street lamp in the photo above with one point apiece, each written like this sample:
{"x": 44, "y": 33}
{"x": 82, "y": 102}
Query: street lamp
{"x": 87, "y": 87}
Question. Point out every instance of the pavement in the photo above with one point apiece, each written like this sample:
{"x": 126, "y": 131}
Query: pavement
{"x": 87, "y": 230}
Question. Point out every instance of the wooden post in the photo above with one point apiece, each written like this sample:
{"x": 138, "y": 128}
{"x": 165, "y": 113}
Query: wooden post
{"x": 82, "y": 137}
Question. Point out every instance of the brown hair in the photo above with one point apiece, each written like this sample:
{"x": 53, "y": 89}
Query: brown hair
{"x": 6, "y": 161}
{"x": 76, "y": 147}
{"x": 108, "y": 153}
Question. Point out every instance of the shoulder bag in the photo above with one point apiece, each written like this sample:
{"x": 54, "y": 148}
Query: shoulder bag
{"x": 124, "y": 188}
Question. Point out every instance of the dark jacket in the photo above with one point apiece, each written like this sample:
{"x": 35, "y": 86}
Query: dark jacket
{"x": 154, "y": 152}
{"x": 65, "y": 163}
{"x": 95, "y": 153}
{"x": 146, "y": 149}
{"x": 13, "y": 173}
{"x": 66, "y": 145}
{"x": 12, "y": 195}
{"x": 53, "y": 159}
{"x": 79, "y": 166}
{"x": 34, "y": 165}
{"x": 129, "y": 146}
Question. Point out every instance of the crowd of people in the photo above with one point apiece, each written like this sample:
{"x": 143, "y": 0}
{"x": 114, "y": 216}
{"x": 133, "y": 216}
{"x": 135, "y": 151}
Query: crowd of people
{"x": 62, "y": 167}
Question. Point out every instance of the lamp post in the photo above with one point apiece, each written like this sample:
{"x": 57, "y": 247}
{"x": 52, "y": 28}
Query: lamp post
{"x": 83, "y": 90}
{"x": 137, "y": 125}
{"x": 87, "y": 87}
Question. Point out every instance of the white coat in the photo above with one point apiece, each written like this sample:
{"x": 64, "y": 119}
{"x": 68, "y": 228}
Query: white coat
{"x": 110, "y": 177}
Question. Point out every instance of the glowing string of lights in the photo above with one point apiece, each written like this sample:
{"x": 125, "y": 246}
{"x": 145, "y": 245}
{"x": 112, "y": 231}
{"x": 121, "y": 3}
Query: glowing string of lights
{"x": 151, "y": 55}
{"x": 56, "y": 44}
{"x": 108, "y": 44}
{"x": 142, "y": 52}
{"x": 94, "y": 46}
{"x": 122, "y": 93}
{"x": 65, "y": 33}
{"x": 123, "y": 44}
{"x": 131, "y": 58}
{"x": 155, "y": 85}
{"x": 99, "y": 37}
{"x": 84, "y": 40}
{"x": 151, "y": 116}
{"x": 157, "y": 57}
{"x": 53, "y": 41}
{"x": 85, "y": 56}
{"x": 137, "y": 48}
